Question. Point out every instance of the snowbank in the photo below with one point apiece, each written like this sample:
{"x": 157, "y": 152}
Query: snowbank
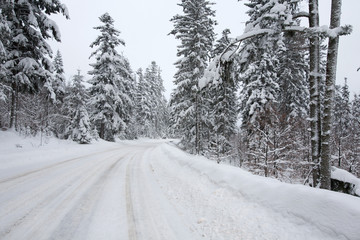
{"x": 345, "y": 176}
{"x": 21, "y": 154}
{"x": 334, "y": 213}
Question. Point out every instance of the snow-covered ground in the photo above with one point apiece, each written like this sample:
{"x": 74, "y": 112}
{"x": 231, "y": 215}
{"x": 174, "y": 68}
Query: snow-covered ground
{"x": 152, "y": 190}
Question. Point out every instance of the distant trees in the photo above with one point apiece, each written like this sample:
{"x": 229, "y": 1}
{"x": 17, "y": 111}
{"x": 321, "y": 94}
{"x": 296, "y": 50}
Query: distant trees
{"x": 34, "y": 97}
{"x": 151, "y": 110}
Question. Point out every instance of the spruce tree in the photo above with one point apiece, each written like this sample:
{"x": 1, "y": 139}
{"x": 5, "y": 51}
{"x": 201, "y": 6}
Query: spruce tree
{"x": 292, "y": 69}
{"x": 195, "y": 29}
{"x": 79, "y": 129}
{"x": 264, "y": 89}
{"x": 354, "y": 144}
{"x": 112, "y": 83}
{"x": 142, "y": 104}
{"x": 4, "y": 41}
{"x": 223, "y": 108}
{"x": 59, "y": 78}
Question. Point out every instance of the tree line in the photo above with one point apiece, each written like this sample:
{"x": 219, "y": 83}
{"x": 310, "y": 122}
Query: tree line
{"x": 265, "y": 100}
{"x": 36, "y": 98}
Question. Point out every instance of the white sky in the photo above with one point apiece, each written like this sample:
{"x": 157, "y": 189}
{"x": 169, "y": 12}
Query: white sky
{"x": 145, "y": 25}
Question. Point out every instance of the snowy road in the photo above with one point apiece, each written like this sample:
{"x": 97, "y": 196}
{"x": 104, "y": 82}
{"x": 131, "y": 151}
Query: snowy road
{"x": 136, "y": 191}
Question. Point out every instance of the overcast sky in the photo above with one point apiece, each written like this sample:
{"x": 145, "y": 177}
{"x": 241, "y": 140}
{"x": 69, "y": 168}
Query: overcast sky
{"x": 145, "y": 25}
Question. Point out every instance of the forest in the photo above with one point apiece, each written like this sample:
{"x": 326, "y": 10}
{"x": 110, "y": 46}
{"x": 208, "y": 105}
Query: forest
{"x": 266, "y": 101}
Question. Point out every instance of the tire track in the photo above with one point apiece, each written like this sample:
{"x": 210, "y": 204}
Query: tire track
{"x": 56, "y": 200}
{"x": 129, "y": 205}
{"x": 23, "y": 175}
{"x": 80, "y": 214}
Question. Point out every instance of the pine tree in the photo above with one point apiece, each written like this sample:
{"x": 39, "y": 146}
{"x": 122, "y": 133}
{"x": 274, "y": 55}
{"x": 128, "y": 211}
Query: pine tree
{"x": 223, "y": 108}
{"x": 265, "y": 82}
{"x": 341, "y": 126}
{"x": 4, "y": 41}
{"x": 354, "y": 143}
{"x": 156, "y": 99}
{"x": 141, "y": 103}
{"x": 59, "y": 78}
{"x": 151, "y": 107}
{"x": 79, "y": 128}
{"x": 292, "y": 69}
{"x": 112, "y": 82}
{"x": 27, "y": 61}
{"x": 195, "y": 29}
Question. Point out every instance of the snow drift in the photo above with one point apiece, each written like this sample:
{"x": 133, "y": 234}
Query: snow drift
{"x": 335, "y": 213}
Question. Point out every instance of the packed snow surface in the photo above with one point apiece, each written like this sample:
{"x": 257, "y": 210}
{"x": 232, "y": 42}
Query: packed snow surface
{"x": 149, "y": 189}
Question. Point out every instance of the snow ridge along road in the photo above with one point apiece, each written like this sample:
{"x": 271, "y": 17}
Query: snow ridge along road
{"x": 147, "y": 190}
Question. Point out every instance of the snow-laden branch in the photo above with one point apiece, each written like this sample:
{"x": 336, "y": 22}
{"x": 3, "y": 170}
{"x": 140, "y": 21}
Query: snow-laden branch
{"x": 323, "y": 30}
{"x": 213, "y": 72}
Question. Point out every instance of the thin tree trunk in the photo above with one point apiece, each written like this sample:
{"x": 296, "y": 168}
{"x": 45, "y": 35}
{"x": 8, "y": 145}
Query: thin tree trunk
{"x": 329, "y": 95}
{"x": 314, "y": 84}
{"x": 197, "y": 123}
{"x": 102, "y": 130}
{"x": 13, "y": 105}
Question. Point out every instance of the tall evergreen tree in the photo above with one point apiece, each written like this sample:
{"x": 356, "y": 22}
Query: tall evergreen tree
{"x": 59, "y": 78}
{"x": 341, "y": 136}
{"x": 151, "y": 103}
{"x": 354, "y": 147}
{"x": 223, "y": 109}
{"x": 142, "y": 104}
{"x": 112, "y": 82}
{"x": 4, "y": 41}
{"x": 27, "y": 60}
{"x": 195, "y": 29}
{"x": 79, "y": 128}
{"x": 292, "y": 69}
{"x": 268, "y": 95}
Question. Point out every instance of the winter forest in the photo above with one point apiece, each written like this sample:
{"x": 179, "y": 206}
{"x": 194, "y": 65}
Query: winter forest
{"x": 266, "y": 101}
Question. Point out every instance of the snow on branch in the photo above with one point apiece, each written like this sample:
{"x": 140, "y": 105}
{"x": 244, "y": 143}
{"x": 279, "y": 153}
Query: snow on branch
{"x": 323, "y": 30}
{"x": 213, "y": 72}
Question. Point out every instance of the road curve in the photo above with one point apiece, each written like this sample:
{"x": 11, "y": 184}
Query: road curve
{"x": 106, "y": 195}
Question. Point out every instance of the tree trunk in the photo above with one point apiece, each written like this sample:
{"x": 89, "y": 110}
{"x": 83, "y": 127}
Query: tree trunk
{"x": 329, "y": 95}
{"x": 197, "y": 123}
{"x": 102, "y": 130}
{"x": 13, "y": 105}
{"x": 314, "y": 84}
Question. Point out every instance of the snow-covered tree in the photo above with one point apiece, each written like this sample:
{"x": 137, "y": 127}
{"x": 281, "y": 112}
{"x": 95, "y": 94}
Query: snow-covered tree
{"x": 141, "y": 103}
{"x": 151, "y": 106}
{"x": 59, "y": 78}
{"x": 4, "y": 40}
{"x": 28, "y": 56}
{"x": 331, "y": 64}
{"x": 79, "y": 128}
{"x": 223, "y": 107}
{"x": 354, "y": 143}
{"x": 341, "y": 136}
{"x": 292, "y": 71}
{"x": 195, "y": 29}
{"x": 112, "y": 83}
